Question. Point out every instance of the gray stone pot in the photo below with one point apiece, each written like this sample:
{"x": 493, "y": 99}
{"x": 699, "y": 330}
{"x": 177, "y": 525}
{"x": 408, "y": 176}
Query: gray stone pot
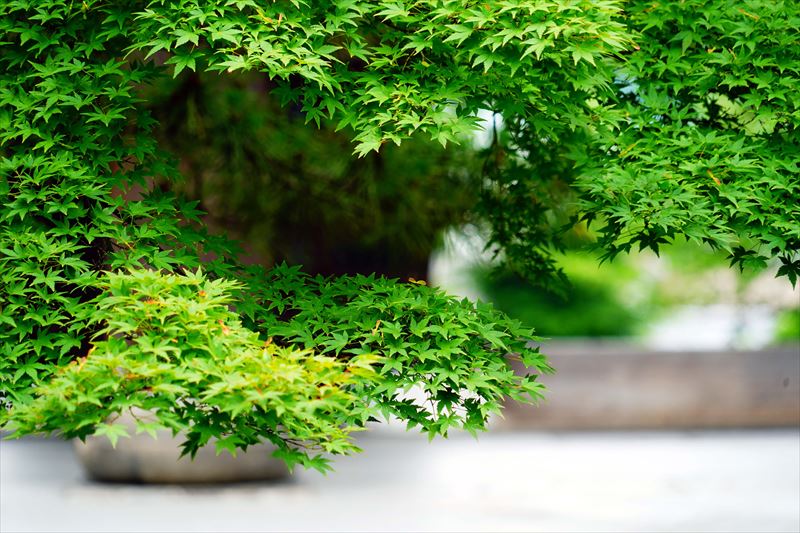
{"x": 143, "y": 459}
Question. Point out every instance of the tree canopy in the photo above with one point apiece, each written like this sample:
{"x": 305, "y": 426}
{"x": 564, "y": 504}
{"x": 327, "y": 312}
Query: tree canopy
{"x": 649, "y": 119}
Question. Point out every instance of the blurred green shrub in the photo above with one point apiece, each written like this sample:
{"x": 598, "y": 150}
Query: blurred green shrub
{"x": 627, "y": 295}
{"x": 788, "y": 327}
{"x": 594, "y": 304}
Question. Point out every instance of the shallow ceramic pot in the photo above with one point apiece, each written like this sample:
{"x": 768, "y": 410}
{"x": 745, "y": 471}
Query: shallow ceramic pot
{"x": 143, "y": 459}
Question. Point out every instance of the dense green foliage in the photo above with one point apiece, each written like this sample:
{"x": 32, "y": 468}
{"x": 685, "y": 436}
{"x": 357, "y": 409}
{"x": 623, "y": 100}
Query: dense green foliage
{"x": 171, "y": 345}
{"x": 656, "y": 119}
{"x": 450, "y": 351}
{"x": 711, "y": 146}
{"x": 692, "y": 132}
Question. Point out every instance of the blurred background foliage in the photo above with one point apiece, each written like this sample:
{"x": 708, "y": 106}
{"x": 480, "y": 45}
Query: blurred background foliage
{"x": 632, "y": 295}
{"x": 788, "y": 329}
{"x": 292, "y": 192}
{"x": 592, "y": 305}
{"x": 295, "y": 193}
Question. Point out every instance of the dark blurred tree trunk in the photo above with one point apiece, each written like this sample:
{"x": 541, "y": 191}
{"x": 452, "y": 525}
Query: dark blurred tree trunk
{"x": 292, "y": 192}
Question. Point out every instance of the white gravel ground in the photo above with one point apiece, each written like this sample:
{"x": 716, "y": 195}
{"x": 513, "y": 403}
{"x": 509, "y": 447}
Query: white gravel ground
{"x": 653, "y": 481}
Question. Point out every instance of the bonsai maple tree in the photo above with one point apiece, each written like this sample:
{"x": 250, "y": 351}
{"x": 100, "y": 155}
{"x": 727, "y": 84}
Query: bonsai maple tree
{"x": 652, "y": 120}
